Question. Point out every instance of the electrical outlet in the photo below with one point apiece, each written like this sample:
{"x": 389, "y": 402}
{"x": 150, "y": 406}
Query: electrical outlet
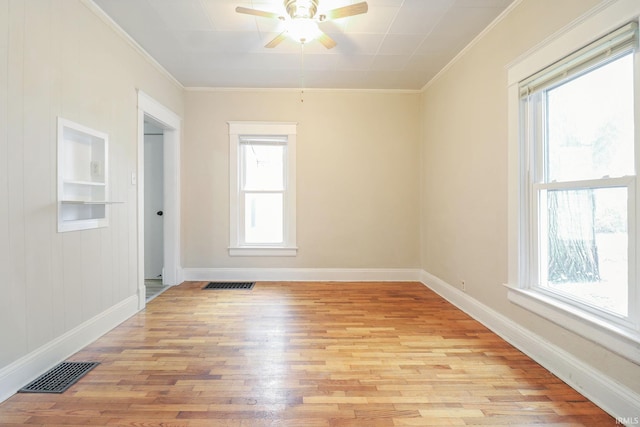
{"x": 463, "y": 285}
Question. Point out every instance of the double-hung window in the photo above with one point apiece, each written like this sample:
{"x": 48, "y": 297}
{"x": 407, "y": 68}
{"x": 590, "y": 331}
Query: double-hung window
{"x": 262, "y": 190}
{"x": 577, "y": 190}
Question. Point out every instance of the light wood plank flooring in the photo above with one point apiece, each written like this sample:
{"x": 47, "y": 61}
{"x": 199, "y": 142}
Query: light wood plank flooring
{"x": 308, "y": 355}
{"x": 154, "y": 287}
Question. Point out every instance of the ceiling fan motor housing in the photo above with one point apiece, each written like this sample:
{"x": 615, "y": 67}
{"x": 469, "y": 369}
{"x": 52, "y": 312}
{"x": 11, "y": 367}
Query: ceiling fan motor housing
{"x": 301, "y": 8}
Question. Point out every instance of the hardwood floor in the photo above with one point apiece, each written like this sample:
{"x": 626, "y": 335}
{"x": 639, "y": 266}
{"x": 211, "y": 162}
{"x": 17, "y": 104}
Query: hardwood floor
{"x": 154, "y": 287}
{"x": 305, "y": 354}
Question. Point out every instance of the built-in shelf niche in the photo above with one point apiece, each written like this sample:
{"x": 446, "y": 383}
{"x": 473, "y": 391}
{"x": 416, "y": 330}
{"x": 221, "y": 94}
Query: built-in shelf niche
{"x": 82, "y": 177}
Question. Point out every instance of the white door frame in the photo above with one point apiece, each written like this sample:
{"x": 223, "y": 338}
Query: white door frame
{"x": 171, "y": 124}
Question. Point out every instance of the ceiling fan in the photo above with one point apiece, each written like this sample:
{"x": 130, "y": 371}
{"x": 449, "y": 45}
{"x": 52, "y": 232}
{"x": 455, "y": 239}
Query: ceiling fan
{"x": 302, "y": 22}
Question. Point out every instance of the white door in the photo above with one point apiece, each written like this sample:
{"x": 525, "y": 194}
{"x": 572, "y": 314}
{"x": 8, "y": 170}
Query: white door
{"x": 153, "y": 205}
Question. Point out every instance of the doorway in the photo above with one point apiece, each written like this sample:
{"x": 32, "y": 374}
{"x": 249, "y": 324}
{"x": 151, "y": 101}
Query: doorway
{"x": 153, "y": 209}
{"x": 164, "y": 256}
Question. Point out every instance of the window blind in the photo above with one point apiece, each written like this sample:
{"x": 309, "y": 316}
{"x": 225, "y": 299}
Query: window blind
{"x": 616, "y": 43}
{"x": 256, "y": 139}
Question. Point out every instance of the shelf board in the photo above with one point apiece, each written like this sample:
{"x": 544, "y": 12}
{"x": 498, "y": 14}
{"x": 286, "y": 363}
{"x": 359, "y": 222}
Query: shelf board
{"x": 96, "y": 183}
{"x": 88, "y": 202}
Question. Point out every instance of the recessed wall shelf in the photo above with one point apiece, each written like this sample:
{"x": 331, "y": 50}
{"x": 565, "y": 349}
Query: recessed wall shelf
{"x": 82, "y": 177}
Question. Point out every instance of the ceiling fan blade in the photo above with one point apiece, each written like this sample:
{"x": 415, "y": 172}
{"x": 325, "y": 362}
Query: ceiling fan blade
{"x": 277, "y": 40}
{"x": 343, "y": 12}
{"x": 327, "y": 41}
{"x": 257, "y": 12}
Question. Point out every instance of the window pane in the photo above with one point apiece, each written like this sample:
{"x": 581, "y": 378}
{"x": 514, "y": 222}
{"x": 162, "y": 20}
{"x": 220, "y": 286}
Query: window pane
{"x": 263, "y": 167}
{"x": 590, "y": 124}
{"x": 263, "y": 218}
{"x": 584, "y": 246}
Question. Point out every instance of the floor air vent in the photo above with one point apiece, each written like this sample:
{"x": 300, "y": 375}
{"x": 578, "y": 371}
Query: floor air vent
{"x": 230, "y": 285}
{"x": 59, "y": 378}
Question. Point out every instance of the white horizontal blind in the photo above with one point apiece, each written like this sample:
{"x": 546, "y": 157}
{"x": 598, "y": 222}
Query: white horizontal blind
{"x": 255, "y": 139}
{"x": 615, "y": 43}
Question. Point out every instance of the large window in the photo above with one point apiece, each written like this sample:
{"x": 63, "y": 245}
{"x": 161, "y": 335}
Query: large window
{"x": 262, "y": 191}
{"x": 577, "y": 189}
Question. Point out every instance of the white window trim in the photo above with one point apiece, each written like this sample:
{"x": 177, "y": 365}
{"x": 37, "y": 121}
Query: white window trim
{"x": 236, "y": 130}
{"x": 617, "y": 338}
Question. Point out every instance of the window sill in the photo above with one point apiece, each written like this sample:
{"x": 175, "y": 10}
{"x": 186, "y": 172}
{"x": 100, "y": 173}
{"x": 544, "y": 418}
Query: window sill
{"x": 263, "y": 251}
{"x": 615, "y": 338}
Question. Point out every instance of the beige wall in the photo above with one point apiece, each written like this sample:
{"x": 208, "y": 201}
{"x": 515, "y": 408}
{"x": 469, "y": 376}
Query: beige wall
{"x": 57, "y": 58}
{"x": 357, "y": 177}
{"x": 464, "y": 174}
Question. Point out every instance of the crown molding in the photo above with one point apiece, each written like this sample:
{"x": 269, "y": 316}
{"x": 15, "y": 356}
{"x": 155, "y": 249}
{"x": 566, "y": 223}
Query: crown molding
{"x": 96, "y": 10}
{"x": 305, "y": 90}
{"x": 471, "y": 44}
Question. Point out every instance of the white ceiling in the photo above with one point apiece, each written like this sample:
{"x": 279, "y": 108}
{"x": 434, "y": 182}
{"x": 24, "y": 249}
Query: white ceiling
{"x": 398, "y": 44}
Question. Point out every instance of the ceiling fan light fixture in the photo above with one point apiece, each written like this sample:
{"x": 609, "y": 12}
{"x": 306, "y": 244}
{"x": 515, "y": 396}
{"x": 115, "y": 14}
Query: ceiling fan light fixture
{"x": 303, "y": 30}
{"x": 302, "y": 26}
{"x": 301, "y": 8}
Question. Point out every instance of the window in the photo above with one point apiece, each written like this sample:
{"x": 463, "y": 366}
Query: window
{"x": 580, "y": 130}
{"x": 577, "y": 191}
{"x": 262, "y": 190}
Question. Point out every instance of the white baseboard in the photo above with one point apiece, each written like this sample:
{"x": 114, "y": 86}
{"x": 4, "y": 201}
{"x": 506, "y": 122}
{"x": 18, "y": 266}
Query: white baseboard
{"x": 616, "y": 399}
{"x": 302, "y": 274}
{"x": 24, "y": 370}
